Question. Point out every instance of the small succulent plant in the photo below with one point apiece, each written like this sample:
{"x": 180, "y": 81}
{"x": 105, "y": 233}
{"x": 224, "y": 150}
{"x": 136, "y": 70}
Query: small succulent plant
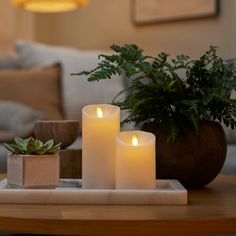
{"x": 33, "y": 146}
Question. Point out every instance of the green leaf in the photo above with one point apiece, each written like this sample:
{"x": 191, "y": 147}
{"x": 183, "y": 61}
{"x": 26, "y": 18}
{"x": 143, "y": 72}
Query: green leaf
{"x": 9, "y": 147}
{"x": 38, "y": 144}
{"x": 31, "y": 146}
{"x": 49, "y": 144}
{"x": 54, "y": 149}
{"x": 177, "y": 92}
{"x": 17, "y": 149}
{"x": 41, "y": 151}
{"x": 20, "y": 142}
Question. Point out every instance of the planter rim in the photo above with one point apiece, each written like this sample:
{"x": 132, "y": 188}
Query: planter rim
{"x": 29, "y": 155}
{"x": 216, "y": 123}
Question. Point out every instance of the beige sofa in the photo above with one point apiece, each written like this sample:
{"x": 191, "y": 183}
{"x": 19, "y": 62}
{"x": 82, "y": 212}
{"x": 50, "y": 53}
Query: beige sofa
{"x": 37, "y": 84}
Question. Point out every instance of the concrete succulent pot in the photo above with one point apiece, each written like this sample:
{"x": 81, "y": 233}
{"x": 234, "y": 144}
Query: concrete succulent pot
{"x": 33, "y": 164}
{"x": 33, "y": 171}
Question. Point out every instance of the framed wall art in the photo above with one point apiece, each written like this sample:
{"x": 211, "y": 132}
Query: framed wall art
{"x": 156, "y": 11}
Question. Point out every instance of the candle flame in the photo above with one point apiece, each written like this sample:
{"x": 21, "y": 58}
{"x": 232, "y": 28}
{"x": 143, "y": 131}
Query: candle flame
{"x": 99, "y": 112}
{"x": 135, "y": 140}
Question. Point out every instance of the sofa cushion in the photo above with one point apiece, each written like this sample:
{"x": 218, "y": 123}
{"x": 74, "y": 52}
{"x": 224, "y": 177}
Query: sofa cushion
{"x": 230, "y": 133}
{"x": 230, "y": 162}
{"x": 77, "y": 91}
{"x": 37, "y": 88}
{"x": 9, "y": 62}
{"x": 16, "y": 119}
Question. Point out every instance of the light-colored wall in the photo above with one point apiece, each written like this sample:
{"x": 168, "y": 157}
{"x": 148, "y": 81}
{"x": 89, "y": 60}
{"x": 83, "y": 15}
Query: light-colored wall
{"x": 233, "y": 32}
{"x": 14, "y": 23}
{"x": 105, "y": 22}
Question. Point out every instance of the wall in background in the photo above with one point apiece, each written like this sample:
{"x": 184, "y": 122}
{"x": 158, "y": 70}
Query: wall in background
{"x": 233, "y": 32}
{"x": 14, "y": 24}
{"x": 105, "y": 22}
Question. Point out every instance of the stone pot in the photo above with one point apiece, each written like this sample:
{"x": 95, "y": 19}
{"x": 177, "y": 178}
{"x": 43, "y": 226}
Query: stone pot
{"x": 194, "y": 159}
{"x": 33, "y": 171}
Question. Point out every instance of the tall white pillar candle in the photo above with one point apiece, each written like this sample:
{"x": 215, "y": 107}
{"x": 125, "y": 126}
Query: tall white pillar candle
{"x": 100, "y": 124}
{"x": 135, "y": 160}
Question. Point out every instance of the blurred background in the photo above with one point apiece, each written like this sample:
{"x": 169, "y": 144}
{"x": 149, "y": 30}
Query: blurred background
{"x": 105, "y": 22}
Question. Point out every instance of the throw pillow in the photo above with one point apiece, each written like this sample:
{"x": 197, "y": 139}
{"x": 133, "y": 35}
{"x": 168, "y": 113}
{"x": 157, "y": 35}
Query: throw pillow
{"x": 8, "y": 62}
{"x": 37, "y": 88}
{"x": 230, "y": 134}
{"x": 16, "y": 119}
{"x": 77, "y": 91}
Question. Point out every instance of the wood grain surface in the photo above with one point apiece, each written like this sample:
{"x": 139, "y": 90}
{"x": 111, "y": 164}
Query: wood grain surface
{"x": 211, "y": 210}
{"x": 70, "y": 163}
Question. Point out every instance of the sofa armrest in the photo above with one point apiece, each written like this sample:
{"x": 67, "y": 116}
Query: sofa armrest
{"x": 230, "y": 162}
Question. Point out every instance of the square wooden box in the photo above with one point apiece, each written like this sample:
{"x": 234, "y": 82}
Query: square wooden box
{"x": 33, "y": 171}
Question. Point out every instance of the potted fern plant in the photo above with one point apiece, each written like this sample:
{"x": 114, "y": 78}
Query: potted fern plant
{"x": 182, "y": 102}
{"x": 33, "y": 164}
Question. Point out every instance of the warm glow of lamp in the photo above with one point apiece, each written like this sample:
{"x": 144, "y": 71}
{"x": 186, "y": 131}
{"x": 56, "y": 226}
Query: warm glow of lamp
{"x": 99, "y": 112}
{"x": 49, "y": 6}
{"x": 135, "y": 140}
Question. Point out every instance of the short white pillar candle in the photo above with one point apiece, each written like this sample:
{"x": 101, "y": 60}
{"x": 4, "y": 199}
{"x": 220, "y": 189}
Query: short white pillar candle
{"x": 100, "y": 124}
{"x": 135, "y": 160}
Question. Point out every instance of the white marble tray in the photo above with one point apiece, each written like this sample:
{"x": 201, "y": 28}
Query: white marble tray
{"x": 168, "y": 192}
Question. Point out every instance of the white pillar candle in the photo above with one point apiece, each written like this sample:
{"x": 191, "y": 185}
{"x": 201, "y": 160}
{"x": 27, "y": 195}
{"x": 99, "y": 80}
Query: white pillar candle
{"x": 100, "y": 124}
{"x": 135, "y": 160}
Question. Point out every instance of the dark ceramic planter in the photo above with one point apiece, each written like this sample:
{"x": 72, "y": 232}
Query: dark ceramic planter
{"x": 195, "y": 160}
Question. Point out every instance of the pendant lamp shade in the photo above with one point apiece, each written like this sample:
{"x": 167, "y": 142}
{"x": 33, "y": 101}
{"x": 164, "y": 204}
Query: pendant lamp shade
{"x": 50, "y": 6}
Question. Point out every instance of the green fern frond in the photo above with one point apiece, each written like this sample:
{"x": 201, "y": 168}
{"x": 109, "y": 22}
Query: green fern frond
{"x": 158, "y": 94}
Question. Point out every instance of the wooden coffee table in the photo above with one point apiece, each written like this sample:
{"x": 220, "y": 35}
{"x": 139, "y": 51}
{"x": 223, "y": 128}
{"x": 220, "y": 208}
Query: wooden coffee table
{"x": 211, "y": 210}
